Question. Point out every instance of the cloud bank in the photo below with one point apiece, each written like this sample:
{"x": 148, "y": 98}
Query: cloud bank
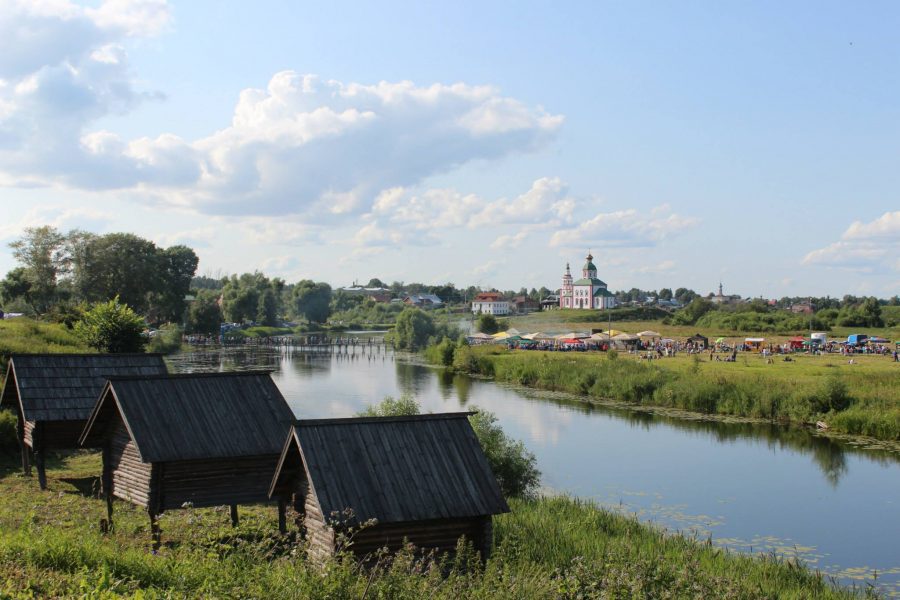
{"x": 303, "y": 145}
{"x": 866, "y": 247}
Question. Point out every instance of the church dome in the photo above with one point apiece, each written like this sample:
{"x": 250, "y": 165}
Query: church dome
{"x": 589, "y": 265}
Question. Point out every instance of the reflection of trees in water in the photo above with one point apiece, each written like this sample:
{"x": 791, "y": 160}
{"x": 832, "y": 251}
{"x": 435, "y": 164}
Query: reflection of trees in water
{"x": 828, "y": 454}
{"x": 308, "y": 364}
{"x": 410, "y": 377}
{"x": 454, "y": 384}
{"x": 225, "y": 360}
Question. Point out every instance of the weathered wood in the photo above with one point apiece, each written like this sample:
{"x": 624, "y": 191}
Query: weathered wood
{"x": 282, "y": 518}
{"x": 234, "y": 515}
{"x": 155, "y": 532}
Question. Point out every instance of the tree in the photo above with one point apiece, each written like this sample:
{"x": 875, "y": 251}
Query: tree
{"x": 693, "y": 311}
{"x": 267, "y": 311}
{"x": 413, "y": 329}
{"x": 312, "y": 300}
{"x": 111, "y": 327}
{"x": 119, "y": 265}
{"x": 176, "y": 268}
{"x": 487, "y": 323}
{"x": 375, "y": 283}
{"x": 41, "y": 252}
{"x": 665, "y": 294}
{"x": 17, "y": 286}
{"x": 684, "y": 295}
{"x": 205, "y": 314}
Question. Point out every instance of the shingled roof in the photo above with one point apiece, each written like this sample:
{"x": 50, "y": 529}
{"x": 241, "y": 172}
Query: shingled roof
{"x": 65, "y": 387}
{"x": 395, "y": 469}
{"x": 197, "y": 416}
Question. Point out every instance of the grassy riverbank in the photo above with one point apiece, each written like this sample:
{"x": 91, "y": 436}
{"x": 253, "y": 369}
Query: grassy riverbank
{"x": 858, "y": 399}
{"x": 51, "y": 546}
{"x": 22, "y": 335}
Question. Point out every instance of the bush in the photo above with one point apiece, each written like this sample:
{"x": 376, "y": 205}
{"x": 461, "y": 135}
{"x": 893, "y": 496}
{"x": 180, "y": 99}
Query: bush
{"x": 413, "y": 329}
{"x": 111, "y": 327}
{"x": 167, "y": 340}
{"x": 487, "y": 324}
{"x": 405, "y": 406}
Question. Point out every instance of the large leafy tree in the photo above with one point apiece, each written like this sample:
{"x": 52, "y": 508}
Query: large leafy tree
{"x": 413, "y": 328}
{"x": 312, "y": 300}
{"x": 118, "y": 264}
{"x": 43, "y": 257}
{"x": 111, "y": 327}
{"x": 205, "y": 314}
{"x": 176, "y": 268}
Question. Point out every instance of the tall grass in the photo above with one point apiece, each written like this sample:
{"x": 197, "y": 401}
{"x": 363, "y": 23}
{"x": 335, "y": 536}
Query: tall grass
{"x": 863, "y": 399}
{"x": 50, "y": 546}
{"x": 22, "y": 335}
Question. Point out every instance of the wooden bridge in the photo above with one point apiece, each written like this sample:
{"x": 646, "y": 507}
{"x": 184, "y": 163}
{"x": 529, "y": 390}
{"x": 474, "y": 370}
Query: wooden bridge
{"x": 300, "y": 343}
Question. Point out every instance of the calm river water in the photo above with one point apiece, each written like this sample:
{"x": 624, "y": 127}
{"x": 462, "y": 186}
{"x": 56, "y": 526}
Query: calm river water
{"x": 750, "y": 487}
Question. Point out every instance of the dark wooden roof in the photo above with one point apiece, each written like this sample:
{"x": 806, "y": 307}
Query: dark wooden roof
{"x": 396, "y": 469}
{"x": 198, "y": 416}
{"x": 65, "y": 387}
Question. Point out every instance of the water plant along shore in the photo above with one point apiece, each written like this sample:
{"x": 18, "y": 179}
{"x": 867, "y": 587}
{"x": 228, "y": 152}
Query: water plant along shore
{"x": 858, "y": 399}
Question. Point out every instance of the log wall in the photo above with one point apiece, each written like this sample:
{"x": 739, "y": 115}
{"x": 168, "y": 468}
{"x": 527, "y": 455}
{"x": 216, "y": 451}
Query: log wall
{"x": 130, "y": 475}
{"x": 29, "y": 433}
{"x": 217, "y": 482}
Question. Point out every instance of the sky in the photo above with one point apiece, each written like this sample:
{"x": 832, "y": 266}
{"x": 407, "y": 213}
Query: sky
{"x": 682, "y": 144}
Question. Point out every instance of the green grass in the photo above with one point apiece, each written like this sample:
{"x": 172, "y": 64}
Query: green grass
{"x": 51, "y": 546}
{"x": 22, "y": 335}
{"x": 859, "y": 399}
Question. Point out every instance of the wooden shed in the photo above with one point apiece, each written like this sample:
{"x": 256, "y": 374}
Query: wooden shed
{"x": 53, "y": 395}
{"x": 198, "y": 440}
{"x": 422, "y": 478}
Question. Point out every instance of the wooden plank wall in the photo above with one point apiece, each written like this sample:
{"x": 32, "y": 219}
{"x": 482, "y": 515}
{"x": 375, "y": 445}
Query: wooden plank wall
{"x": 217, "y": 482}
{"x": 29, "y": 433}
{"x": 61, "y": 434}
{"x": 130, "y": 475}
{"x": 440, "y": 535}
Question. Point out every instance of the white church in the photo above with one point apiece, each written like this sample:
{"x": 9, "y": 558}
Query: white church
{"x": 586, "y": 293}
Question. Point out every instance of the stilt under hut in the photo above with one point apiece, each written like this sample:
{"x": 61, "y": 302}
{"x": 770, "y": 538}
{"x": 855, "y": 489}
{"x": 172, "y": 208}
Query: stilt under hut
{"x": 53, "y": 395}
{"x": 420, "y": 478}
{"x": 189, "y": 440}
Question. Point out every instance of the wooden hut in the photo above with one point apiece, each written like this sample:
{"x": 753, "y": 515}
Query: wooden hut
{"x": 198, "y": 440}
{"x": 422, "y": 478}
{"x": 53, "y": 395}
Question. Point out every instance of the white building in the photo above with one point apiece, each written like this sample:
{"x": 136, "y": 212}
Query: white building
{"x": 490, "y": 303}
{"x": 586, "y": 293}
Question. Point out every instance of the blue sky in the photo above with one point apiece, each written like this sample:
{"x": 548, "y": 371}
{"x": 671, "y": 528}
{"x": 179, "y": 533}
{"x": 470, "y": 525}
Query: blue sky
{"x": 683, "y": 143}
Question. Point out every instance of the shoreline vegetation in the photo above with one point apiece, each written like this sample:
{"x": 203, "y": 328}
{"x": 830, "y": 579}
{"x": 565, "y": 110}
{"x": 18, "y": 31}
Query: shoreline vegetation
{"x": 862, "y": 399}
{"x": 554, "y": 547}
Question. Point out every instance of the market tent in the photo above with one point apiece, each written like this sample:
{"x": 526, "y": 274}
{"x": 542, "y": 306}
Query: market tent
{"x": 796, "y": 342}
{"x": 513, "y": 331}
{"x": 480, "y": 336}
{"x": 600, "y": 337}
{"x": 612, "y": 332}
{"x": 500, "y": 336}
{"x": 719, "y": 340}
{"x": 625, "y": 337}
{"x": 667, "y": 341}
{"x": 698, "y": 339}
{"x": 878, "y": 340}
{"x": 649, "y": 334}
{"x": 572, "y": 335}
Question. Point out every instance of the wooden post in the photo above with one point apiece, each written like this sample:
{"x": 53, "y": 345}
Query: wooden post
{"x": 234, "y": 515}
{"x": 155, "y": 532}
{"x": 26, "y": 465}
{"x": 37, "y": 439}
{"x": 106, "y": 482}
{"x": 282, "y": 518}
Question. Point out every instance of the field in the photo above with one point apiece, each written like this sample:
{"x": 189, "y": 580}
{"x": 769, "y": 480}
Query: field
{"x": 51, "y": 546}
{"x": 575, "y": 320}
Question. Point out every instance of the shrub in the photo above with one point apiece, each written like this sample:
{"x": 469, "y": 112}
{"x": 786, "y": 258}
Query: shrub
{"x": 111, "y": 327}
{"x": 167, "y": 341}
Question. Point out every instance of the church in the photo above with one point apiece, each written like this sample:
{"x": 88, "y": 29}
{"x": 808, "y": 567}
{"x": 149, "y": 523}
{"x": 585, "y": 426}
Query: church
{"x": 586, "y": 293}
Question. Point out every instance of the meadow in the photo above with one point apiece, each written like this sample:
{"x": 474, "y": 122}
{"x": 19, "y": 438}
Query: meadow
{"x": 51, "y": 545}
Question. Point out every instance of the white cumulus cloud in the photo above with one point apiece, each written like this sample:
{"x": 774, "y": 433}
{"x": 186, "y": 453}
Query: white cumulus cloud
{"x": 866, "y": 247}
{"x": 625, "y": 228}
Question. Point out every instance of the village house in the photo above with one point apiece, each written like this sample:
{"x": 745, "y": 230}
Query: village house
{"x": 490, "y": 303}
{"x": 589, "y": 292}
{"x": 53, "y": 395}
{"x": 365, "y": 483}
{"x": 194, "y": 440}
{"x": 524, "y": 304}
{"x": 378, "y": 294}
{"x": 423, "y": 301}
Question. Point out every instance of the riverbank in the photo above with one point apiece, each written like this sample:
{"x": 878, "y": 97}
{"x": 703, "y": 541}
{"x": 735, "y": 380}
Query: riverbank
{"x": 51, "y": 546}
{"x": 859, "y": 399}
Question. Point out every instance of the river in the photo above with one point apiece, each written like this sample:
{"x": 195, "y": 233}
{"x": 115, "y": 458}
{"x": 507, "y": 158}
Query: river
{"x": 750, "y": 487}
